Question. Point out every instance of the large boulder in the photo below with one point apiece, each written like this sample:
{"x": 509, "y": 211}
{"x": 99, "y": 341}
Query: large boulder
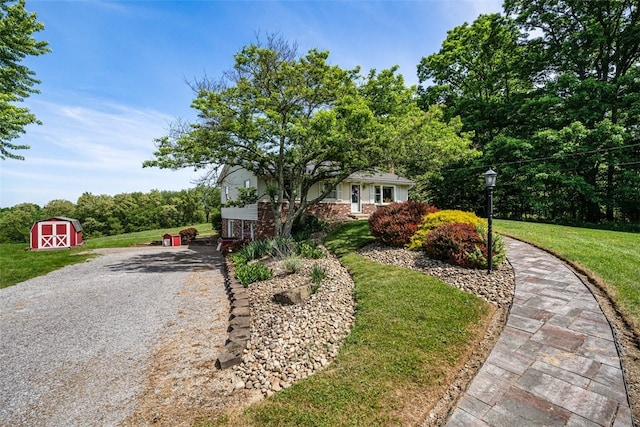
{"x": 293, "y": 296}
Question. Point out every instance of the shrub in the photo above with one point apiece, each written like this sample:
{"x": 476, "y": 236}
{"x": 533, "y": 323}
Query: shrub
{"x": 305, "y": 226}
{"x": 318, "y": 274}
{"x": 309, "y": 250}
{"x": 292, "y": 264}
{"x": 394, "y": 224}
{"x": 280, "y": 247}
{"x": 250, "y": 273}
{"x": 216, "y": 221}
{"x": 188, "y": 234}
{"x": 433, "y": 220}
{"x": 463, "y": 245}
{"x": 499, "y": 249}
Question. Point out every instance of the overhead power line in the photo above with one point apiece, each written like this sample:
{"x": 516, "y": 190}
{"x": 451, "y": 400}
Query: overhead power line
{"x": 576, "y": 153}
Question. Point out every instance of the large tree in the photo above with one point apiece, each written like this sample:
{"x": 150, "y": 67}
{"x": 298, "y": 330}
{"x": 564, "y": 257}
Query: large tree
{"x": 552, "y": 92}
{"x": 591, "y": 53}
{"x": 17, "y": 81}
{"x": 478, "y": 73}
{"x": 292, "y": 120}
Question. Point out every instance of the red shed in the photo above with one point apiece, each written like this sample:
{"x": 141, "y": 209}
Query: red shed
{"x": 171, "y": 240}
{"x": 55, "y": 233}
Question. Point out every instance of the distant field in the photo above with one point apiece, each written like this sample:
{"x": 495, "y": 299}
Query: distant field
{"x": 612, "y": 256}
{"x": 19, "y": 264}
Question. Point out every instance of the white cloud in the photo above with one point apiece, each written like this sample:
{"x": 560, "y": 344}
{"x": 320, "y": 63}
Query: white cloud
{"x": 82, "y": 148}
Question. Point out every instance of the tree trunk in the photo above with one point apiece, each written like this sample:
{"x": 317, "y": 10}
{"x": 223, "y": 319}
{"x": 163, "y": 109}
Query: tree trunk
{"x": 609, "y": 196}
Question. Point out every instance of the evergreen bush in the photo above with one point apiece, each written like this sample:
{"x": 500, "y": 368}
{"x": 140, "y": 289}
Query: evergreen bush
{"x": 305, "y": 226}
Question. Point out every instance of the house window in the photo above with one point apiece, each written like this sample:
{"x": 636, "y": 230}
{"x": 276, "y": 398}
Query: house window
{"x": 384, "y": 194}
{"x": 226, "y": 193}
{"x": 333, "y": 194}
{"x": 247, "y": 183}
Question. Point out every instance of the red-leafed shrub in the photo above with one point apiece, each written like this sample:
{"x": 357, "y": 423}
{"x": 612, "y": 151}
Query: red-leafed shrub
{"x": 394, "y": 224}
{"x": 236, "y": 246}
{"x": 458, "y": 244}
{"x": 188, "y": 234}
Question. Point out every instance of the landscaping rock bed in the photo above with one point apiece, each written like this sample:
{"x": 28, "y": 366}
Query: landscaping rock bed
{"x": 497, "y": 287}
{"x": 290, "y": 342}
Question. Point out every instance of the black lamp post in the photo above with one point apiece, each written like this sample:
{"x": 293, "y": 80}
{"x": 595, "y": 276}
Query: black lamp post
{"x": 490, "y": 182}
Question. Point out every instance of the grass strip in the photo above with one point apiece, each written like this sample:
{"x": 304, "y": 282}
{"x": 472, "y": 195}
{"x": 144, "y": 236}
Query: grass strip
{"x": 19, "y": 264}
{"x": 405, "y": 347}
{"x": 613, "y": 257}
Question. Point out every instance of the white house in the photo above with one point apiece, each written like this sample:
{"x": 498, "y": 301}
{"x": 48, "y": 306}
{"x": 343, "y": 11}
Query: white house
{"x": 358, "y": 195}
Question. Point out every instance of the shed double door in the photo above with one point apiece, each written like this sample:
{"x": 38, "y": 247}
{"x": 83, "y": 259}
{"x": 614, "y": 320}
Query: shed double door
{"x": 54, "y": 235}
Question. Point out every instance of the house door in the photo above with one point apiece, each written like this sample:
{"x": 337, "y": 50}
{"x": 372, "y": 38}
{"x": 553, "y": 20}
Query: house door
{"x": 356, "y": 205}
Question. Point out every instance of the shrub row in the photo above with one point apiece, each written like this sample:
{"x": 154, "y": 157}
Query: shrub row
{"x": 453, "y": 236}
{"x": 394, "y": 224}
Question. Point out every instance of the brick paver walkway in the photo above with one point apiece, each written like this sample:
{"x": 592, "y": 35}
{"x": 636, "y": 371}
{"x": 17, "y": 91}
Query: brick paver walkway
{"x": 555, "y": 363}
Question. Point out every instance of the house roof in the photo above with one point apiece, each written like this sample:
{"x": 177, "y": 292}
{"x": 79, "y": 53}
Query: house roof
{"x": 76, "y": 223}
{"x": 379, "y": 177}
{"x": 368, "y": 177}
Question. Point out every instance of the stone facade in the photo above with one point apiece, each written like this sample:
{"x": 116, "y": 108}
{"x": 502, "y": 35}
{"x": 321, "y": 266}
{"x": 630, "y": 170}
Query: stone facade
{"x": 265, "y": 225}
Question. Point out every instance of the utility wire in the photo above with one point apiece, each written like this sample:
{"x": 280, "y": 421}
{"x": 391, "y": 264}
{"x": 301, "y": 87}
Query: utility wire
{"x": 577, "y": 153}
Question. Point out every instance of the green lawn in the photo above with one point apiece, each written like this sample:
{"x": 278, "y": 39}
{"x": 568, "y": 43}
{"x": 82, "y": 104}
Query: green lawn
{"x": 18, "y": 264}
{"x": 612, "y": 256}
{"x": 410, "y": 333}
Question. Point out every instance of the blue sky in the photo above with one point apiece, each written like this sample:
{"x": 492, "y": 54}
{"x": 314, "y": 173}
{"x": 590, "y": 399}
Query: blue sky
{"x": 116, "y": 76}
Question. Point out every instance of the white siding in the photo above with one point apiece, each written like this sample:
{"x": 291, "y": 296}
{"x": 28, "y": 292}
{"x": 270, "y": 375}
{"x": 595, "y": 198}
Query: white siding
{"x": 234, "y": 180}
{"x": 238, "y": 178}
{"x": 402, "y": 193}
{"x": 249, "y": 212}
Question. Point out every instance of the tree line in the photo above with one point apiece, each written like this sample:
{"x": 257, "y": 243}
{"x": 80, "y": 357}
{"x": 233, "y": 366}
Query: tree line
{"x": 551, "y": 92}
{"x": 104, "y": 215}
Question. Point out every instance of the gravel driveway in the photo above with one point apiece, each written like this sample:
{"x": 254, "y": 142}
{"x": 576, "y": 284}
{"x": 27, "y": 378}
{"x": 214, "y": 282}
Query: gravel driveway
{"x": 75, "y": 344}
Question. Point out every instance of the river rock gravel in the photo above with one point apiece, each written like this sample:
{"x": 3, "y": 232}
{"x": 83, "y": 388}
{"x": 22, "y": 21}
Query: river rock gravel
{"x": 497, "y": 287}
{"x": 291, "y": 342}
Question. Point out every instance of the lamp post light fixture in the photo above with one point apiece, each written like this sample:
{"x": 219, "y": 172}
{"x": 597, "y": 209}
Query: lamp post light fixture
{"x": 490, "y": 182}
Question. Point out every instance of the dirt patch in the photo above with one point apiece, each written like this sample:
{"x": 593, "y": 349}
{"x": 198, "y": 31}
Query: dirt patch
{"x": 183, "y": 385}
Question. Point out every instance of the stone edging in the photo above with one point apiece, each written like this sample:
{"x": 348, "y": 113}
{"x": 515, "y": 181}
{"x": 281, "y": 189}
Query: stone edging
{"x": 239, "y": 320}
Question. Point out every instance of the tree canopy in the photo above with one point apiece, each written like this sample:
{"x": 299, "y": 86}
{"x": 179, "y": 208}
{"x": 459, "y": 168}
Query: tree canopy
{"x": 104, "y": 215}
{"x": 295, "y": 120}
{"x": 551, "y": 90}
{"x": 17, "y": 81}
